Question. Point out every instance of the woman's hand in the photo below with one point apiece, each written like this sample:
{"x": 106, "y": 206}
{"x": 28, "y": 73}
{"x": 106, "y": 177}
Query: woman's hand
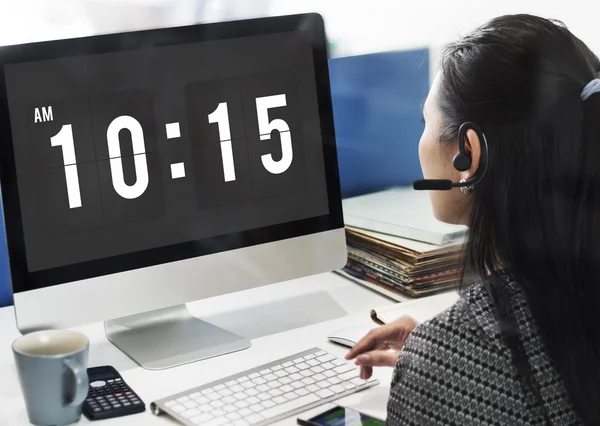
{"x": 381, "y": 346}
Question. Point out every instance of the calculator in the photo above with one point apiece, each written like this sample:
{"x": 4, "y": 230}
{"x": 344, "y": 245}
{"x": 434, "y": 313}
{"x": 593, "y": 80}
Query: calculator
{"x": 109, "y": 396}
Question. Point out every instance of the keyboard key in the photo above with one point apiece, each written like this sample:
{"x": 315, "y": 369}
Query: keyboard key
{"x": 222, "y": 386}
{"x": 329, "y": 373}
{"x": 253, "y": 375}
{"x": 312, "y": 362}
{"x": 349, "y": 375}
{"x": 190, "y": 404}
{"x": 285, "y": 380}
{"x": 241, "y": 404}
{"x": 324, "y": 384}
{"x": 276, "y": 368}
{"x": 328, "y": 366}
{"x": 178, "y": 408}
{"x": 324, "y": 393}
{"x": 296, "y": 376}
{"x": 298, "y": 360}
{"x": 301, "y": 392}
{"x": 325, "y": 358}
{"x": 289, "y": 406}
{"x": 245, "y": 412}
{"x": 334, "y": 380}
{"x": 240, "y": 396}
{"x": 281, "y": 373}
{"x": 275, "y": 392}
{"x": 169, "y": 404}
{"x": 320, "y": 353}
{"x": 214, "y": 396}
{"x": 319, "y": 377}
{"x": 297, "y": 385}
{"x": 358, "y": 382}
{"x": 241, "y": 422}
{"x": 279, "y": 400}
{"x": 218, "y": 412}
{"x": 291, "y": 396}
{"x": 287, "y": 388}
{"x": 188, "y": 414}
{"x": 263, "y": 388}
{"x": 229, "y": 408}
{"x": 317, "y": 369}
{"x": 306, "y": 373}
{"x": 307, "y": 357}
{"x": 270, "y": 377}
{"x": 254, "y": 418}
{"x": 344, "y": 368}
{"x": 307, "y": 381}
{"x": 229, "y": 400}
{"x": 217, "y": 404}
{"x": 287, "y": 364}
{"x": 236, "y": 388}
{"x": 252, "y": 392}
{"x": 248, "y": 384}
{"x": 225, "y": 392}
{"x": 252, "y": 400}
{"x": 243, "y": 379}
{"x": 217, "y": 421}
{"x": 313, "y": 388}
{"x": 194, "y": 395}
{"x": 268, "y": 404}
{"x": 205, "y": 408}
{"x": 259, "y": 381}
{"x": 233, "y": 416}
{"x": 275, "y": 384}
{"x": 265, "y": 371}
{"x": 337, "y": 389}
{"x": 207, "y": 391}
{"x": 201, "y": 419}
{"x": 291, "y": 370}
{"x": 257, "y": 408}
{"x": 229, "y": 384}
{"x": 337, "y": 362}
{"x": 302, "y": 366}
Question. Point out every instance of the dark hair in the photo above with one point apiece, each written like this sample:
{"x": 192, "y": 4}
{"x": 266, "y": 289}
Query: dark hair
{"x": 537, "y": 210}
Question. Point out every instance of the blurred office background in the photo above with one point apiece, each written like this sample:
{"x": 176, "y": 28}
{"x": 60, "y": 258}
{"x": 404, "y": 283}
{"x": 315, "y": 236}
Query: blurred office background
{"x": 383, "y": 57}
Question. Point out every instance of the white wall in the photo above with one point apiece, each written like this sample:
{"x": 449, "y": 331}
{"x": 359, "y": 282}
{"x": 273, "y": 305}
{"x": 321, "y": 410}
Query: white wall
{"x": 356, "y": 26}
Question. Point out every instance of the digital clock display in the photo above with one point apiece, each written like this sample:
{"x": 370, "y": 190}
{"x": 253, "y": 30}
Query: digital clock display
{"x": 128, "y": 151}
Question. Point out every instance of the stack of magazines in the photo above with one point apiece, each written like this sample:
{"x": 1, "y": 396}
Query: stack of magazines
{"x": 397, "y": 247}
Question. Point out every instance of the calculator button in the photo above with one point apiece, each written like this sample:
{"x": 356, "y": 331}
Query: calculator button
{"x": 137, "y": 402}
{"x": 117, "y": 405}
{"x": 98, "y": 384}
{"x": 97, "y": 410}
{"x": 118, "y": 380}
{"x": 126, "y": 404}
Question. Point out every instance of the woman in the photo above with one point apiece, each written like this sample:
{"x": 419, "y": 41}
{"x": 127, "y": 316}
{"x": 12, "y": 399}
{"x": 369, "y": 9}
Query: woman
{"x": 521, "y": 347}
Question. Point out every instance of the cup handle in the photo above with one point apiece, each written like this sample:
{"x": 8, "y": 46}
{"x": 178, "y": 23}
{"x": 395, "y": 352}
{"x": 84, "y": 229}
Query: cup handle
{"x": 81, "y": 382}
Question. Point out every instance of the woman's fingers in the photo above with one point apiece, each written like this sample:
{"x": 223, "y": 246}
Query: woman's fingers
{"x": 378, "y": 358}
{"x": 389, "y": 336}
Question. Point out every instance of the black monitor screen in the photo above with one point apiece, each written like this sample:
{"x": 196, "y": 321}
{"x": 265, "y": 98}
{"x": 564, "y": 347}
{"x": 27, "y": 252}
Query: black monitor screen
{"x": 156, "y": 144}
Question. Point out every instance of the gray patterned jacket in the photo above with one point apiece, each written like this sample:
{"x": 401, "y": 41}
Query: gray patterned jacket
{"x": 456, "y": 370}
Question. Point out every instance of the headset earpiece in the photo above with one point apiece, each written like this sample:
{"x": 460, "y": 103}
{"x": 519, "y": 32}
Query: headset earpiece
{"x": 462, "y": 161}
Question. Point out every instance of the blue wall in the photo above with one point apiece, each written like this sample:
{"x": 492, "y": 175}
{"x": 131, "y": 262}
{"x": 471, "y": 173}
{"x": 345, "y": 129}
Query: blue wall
{"x": 377, "y": 100}
{"x": 5, "y": 287}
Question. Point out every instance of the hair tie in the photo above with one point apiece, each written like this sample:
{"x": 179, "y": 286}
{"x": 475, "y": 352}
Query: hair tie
{"x": 591, "y": 88}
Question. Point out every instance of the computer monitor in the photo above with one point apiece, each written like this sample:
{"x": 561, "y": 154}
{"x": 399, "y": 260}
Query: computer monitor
{"x": 144, "y": 170}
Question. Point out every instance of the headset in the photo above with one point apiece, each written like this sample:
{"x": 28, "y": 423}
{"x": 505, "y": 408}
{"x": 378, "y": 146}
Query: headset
{"x": 461, "y": 162}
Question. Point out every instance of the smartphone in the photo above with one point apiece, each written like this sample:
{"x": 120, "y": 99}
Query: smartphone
{"x": 341, "y": 416}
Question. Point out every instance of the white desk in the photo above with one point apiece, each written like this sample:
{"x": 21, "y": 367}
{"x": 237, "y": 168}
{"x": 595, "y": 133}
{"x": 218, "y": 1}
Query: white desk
{"x": 281, "y": 319}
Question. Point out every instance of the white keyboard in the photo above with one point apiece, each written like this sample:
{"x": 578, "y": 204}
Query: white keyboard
{"x": 267, "y": 393}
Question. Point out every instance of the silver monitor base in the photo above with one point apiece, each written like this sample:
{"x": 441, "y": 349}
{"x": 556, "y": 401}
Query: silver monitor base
{"x": 170, "y": 337}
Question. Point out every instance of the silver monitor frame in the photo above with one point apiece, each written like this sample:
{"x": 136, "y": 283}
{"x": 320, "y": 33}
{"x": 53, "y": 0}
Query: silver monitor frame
{"x": 147, "y": 322}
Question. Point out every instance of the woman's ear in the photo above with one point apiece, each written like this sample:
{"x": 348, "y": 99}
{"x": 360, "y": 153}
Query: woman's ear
{"x": 473, "y": 148}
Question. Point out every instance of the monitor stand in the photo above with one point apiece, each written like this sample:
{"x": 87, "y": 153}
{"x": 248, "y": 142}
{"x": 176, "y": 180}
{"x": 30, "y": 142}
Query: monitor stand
{"x": 170, "y": 337}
